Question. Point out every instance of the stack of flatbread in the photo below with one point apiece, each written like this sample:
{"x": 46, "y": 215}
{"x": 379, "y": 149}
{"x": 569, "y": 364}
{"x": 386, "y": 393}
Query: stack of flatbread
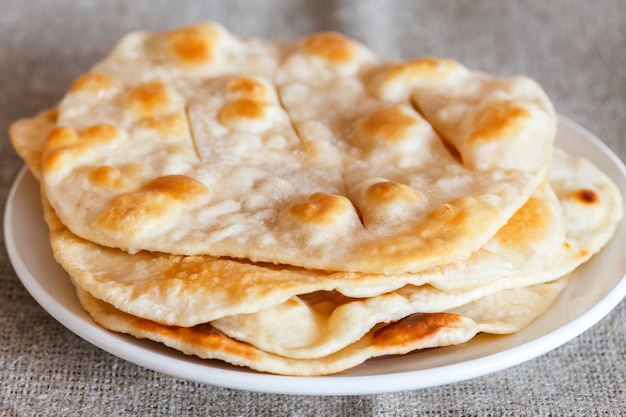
{"x": 300, "y": 207}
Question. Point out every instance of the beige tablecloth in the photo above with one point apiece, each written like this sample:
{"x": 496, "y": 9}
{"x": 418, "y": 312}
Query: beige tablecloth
{"x": 575, "y": 49}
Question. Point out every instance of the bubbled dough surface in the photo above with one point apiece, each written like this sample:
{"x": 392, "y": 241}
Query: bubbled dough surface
{"x": 293, "y": 153}
{"x": 152, "y": 284}
{"x": 327, "y": 322}
{"x": 245, "y": 301}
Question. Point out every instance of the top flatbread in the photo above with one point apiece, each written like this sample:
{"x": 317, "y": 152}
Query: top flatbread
{"x": 313, "y": 153}
{"x": 151, "y": 284}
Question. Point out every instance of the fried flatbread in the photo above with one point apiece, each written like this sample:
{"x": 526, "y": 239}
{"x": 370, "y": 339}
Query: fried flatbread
{"x": 299, "y": 207}
{"x": 515, "y": 310}
{"x": 531, "y": 248}
{"x": 289, "y": 153}
{"x": 321, "y": 323}
{"x": 151, "y": 284}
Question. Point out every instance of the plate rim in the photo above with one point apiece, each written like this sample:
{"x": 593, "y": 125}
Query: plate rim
{"x": 178, "y": 365}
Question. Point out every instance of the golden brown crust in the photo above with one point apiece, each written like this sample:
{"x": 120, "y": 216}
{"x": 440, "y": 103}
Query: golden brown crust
{"x": 498, "y": 122}
{"x": 331, "y": 46}
{"x": 389, "y": 125}
{"x": 65, "y": 144}
{"x": 247, "y": 88}
{"x": 242, "y": 109}
{"x": 149, "y": 100}
{"x": 169, "y": 124}
{"x": 429, "y": 68}
{"x": 94, "y": 84}
{"x": 107, "y": 177}
{"x": 321, "y": 208}
{"x": 586, "y": 196}
{"x": 414, "y": 329}
{"x": 203, "y": 335}
{"x": 398, "y": 81}
{"x": 532, "y": 216}
{"x": 389, "y": 192}
{"x": 151, "y": 204}
{"x": 193, "y": 45}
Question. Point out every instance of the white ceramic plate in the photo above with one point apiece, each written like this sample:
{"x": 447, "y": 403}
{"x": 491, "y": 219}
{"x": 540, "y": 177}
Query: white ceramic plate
{"x": 577, "y": 309}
